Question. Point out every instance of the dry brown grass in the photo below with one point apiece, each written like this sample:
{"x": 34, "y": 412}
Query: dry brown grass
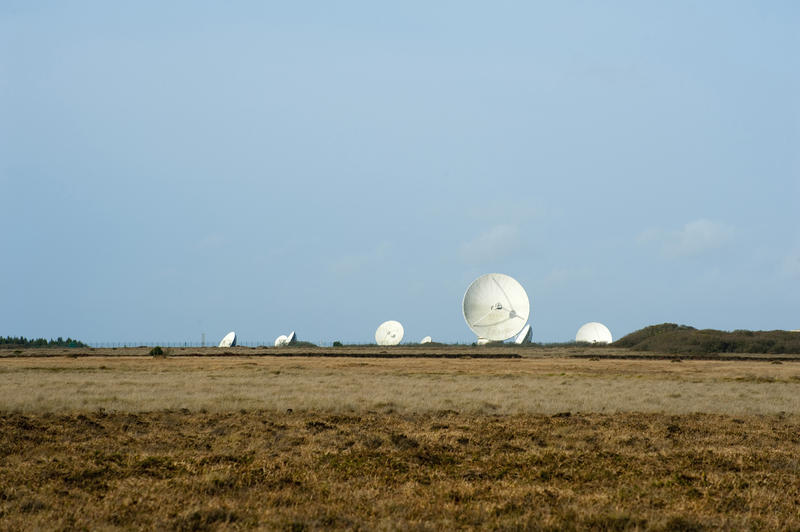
{"x": 192, "y": 443}
{"x": 507, "y": 386}
{"x": 262, "y": 469}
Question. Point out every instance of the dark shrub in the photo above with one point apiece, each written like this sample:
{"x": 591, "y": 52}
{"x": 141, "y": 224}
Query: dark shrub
{"x": 157, "y": 351}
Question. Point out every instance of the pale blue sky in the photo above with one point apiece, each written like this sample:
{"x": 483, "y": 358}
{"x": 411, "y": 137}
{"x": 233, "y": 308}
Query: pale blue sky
{"x": 174, "y": 168}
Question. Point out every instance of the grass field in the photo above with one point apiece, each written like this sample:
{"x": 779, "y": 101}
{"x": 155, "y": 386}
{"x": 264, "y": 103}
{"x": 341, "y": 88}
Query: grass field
{"x": 344, "y": 385}
{"x": 545, "y": 442}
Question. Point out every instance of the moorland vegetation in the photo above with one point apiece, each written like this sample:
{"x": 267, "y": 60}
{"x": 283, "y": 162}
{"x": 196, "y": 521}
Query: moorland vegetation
{"x": 545, "y": 441}
{"x": 187, "y": 470}
{"x": 685, "y": 340}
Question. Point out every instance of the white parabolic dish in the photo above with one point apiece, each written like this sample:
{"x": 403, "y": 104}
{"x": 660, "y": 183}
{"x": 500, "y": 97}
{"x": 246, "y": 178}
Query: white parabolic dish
{"x": 594, "y": 333}
{"x": 426, "y": 340}
{"x": 229, "y": 340}
{"x": 281, "y": 340}
{"x": 389, "y": 333}
{"x": 496, "y": 307}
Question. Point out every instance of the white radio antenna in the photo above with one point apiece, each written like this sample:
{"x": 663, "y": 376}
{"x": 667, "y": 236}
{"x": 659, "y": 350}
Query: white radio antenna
{"x": 389, "y": 333}
{"x": 229, "y": 340}
{"x": 594, "y": 333}
{"x": 495, "y": 307}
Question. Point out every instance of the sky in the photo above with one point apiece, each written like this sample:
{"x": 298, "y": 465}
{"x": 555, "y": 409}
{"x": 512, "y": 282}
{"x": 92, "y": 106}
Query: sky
{"x": 174, "y": 169}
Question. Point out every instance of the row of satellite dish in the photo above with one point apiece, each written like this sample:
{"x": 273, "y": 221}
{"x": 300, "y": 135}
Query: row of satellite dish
{"x": 229, "y": 340}
{"x": 495, "y": 307}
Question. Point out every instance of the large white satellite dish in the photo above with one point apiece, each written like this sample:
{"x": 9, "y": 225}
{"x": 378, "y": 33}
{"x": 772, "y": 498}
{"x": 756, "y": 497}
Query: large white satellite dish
{"x": 495, "y": 307}
{"x": 524, "y": 337}
{"x": 593, "y": 333}
{"x": 229, "y": 340}
{"x": 281, "y": 340}
{"x": 389, "y": 333}
{"x": 426, "y": 340}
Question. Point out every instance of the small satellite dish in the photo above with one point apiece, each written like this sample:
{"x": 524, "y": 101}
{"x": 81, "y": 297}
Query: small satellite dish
{"x": 281, "y": 341}
{"x": 495, "y": 307}
{"x": 229, "y": 340}
{"x": 426, "y": 340}
{"x": 593, "y": 333}
{"x": 524, "y": 337}
{"x": 482, "y": 341}
{"x": 291, "y": 339}
{"x": 389, "y": 333}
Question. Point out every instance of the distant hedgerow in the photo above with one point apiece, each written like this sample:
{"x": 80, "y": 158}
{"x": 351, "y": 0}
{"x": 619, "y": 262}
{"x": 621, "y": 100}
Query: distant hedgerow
{"x": 21, "y": 341}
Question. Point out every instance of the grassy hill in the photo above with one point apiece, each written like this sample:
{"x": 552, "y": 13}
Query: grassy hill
{"x": 682, "y": 339}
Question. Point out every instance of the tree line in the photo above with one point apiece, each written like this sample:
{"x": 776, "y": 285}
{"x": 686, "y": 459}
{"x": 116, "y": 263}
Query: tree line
{"x": 21, "y": 341}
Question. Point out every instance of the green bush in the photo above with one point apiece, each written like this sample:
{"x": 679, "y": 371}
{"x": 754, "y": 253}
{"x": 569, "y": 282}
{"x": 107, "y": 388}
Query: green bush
{"x": 157, "y": 352}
